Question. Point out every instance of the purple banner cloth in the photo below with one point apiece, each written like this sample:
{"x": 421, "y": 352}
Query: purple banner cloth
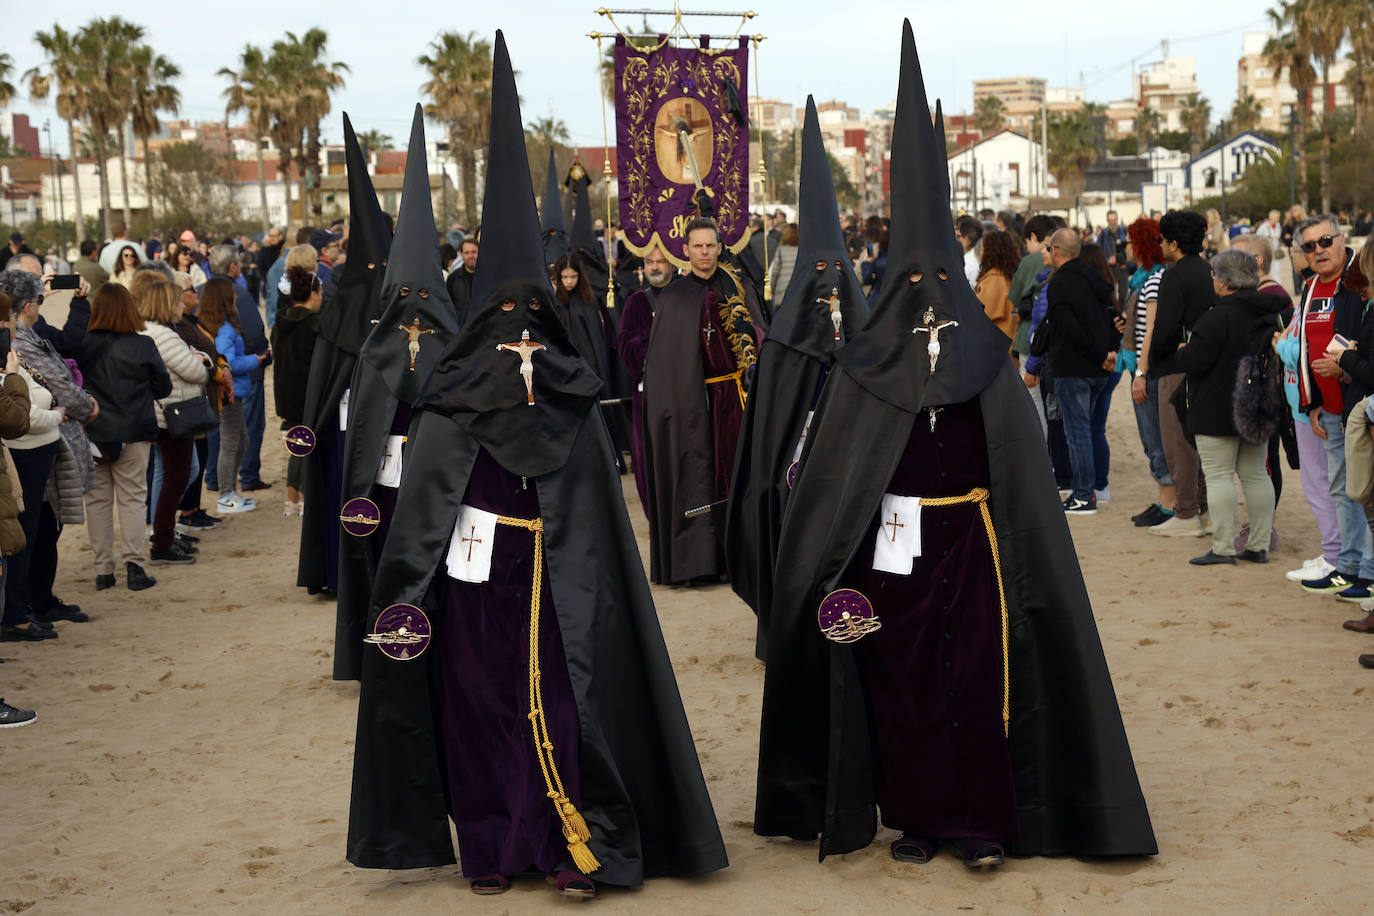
{"x": 659, "y": 95}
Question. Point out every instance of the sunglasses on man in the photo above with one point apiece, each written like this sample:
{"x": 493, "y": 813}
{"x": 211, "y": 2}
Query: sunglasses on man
{"x": 1324, "y": 242}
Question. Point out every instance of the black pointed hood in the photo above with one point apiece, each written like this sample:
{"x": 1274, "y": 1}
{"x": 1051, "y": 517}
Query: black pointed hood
{"x": 413, "y": 287}
{"x": 888, "y": 358}
{"x": 803, "y": 320}
{"x": 554, "y": 229}
{"x": 477, "y": 384}
{"x": 348, "y": 319}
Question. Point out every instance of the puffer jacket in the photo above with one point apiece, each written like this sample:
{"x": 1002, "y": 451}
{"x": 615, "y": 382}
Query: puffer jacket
{"x": 186, "y": 367}
{"x": 14, "y": 422}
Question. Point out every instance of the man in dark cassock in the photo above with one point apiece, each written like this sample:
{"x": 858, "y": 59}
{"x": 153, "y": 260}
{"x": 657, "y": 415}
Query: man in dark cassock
{"x": 517, "y": 680}
{"x": 693, "y": 406}
{"x": 635, "y": 326}
{"x": 824, "y": 306}
{"x": 555, "y": 230}
{"x": 417, "y": 321}
{"x": 344, "y": 325}
{"x": 932, "y": 653}
{"x": 459, "y": 281}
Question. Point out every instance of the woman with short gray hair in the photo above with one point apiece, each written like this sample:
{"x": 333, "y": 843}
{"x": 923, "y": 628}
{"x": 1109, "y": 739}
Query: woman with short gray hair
{"x": 1242, "y": 323}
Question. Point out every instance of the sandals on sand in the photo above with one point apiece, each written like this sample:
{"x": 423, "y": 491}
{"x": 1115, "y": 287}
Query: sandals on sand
{"x": 573, "y": 884}
{"x": 490, "y": 884}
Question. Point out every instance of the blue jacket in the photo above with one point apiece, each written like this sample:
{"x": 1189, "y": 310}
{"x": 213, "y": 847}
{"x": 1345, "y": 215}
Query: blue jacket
{"x": 242, "y": 364}
{"x": 1042, "y": 305}
{"x": 251, "y": 326}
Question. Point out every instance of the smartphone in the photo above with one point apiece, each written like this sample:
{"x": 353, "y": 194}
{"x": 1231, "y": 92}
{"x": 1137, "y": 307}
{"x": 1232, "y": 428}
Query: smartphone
{"x": 65, "y": 281}
{"x": 4, "y": 345}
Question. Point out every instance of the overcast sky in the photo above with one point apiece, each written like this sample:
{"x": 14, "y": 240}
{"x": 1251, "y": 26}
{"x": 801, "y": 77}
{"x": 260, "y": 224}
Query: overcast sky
{"x": 846, "y": 51}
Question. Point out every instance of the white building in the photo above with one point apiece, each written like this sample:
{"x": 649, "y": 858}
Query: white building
{"x": 1227, "y": 162}
{"x": 1163, "y": 85}
{"x": 999, "y": 172}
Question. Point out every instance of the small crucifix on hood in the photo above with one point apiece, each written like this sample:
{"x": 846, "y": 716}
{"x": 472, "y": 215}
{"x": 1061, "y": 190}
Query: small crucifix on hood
{"x": 933, "y": 328}
{"x": 413, "y": 331}
{"x": 836, "y": 319}
{"x": 526, "y": 349}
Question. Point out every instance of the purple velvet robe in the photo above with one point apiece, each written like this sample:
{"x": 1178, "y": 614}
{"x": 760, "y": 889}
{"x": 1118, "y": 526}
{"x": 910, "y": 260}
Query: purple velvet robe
{"x": 933, "y": 673}
{"x": 497, "y": 797}
{"x": 636, "y": 321}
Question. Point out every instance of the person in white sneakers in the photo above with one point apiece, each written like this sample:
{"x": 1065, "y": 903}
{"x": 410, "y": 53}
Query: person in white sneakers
{"x": 218, "y": 312}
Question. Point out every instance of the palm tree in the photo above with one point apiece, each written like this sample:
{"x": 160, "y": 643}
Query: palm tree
{"x": 105, "y": 45}
{"x": 1245, "y": 112}
{"x": 459, "y": 89}
{"x": 62, "y": 75}
{"x": 252, "y": 91}
{"x": 1146, "y": 128}
{"x": 1360, "y": 77}
{"x": 1195, "y": 112}
{"x": 1071, "y": 149}
{"x": 542, "y": 135}
{"x": 152, "y": 76}
{"x": 375, "y": 141}
{"x": 6, "y": 87}
{"x": 301, "y": 65}
{"x": 1289, "y": 50}
{"x": 989, "y": 114}
{"x": 1324, "y": 22}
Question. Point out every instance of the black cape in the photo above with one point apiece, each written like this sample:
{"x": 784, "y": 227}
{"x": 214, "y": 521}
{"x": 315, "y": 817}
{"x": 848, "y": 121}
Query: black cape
{"x": 796, "y": 354}
{"x": 412, "y": 290}
{"x": 1075, "y": 779}
{"x": 642, "y": 790}
{"x": 345, "y": 322}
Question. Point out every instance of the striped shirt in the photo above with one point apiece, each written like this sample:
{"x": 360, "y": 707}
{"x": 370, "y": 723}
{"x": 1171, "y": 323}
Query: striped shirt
{"x": 1149, "y": 292}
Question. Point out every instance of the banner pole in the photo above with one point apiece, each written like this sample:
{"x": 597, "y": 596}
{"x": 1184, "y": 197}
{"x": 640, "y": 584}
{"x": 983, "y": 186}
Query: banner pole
{"x": 763, "y": 168}
{"x": 607, "y": 237}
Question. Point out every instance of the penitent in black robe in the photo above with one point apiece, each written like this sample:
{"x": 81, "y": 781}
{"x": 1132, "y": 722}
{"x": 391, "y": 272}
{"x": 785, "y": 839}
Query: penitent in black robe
{"x": 635, "y": 771}
{"x": 1075, "y": 786}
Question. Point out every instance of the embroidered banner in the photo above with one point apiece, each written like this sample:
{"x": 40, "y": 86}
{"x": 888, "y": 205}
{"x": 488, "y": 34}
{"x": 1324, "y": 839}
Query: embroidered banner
{"x": 660, "y": 95}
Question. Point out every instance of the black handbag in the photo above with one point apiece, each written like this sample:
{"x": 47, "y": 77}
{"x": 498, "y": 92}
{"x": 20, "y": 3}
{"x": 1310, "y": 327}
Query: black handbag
{"x": 190, "y": 418}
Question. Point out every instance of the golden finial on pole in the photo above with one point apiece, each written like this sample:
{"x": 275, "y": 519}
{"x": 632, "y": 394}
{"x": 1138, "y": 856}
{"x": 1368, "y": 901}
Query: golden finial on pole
{"x": 763, "y": 168}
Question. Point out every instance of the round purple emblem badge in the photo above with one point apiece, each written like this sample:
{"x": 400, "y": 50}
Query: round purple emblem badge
{"x": 791, "y": 475}
{"x": 360, "y": 516}
{"x": 401, "y": 632}
{"x": 846, "y": 615}
{"x": 300, "y": 441}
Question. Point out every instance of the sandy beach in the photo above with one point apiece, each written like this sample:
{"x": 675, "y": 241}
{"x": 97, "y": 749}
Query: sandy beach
{"x": 192, "y": 753}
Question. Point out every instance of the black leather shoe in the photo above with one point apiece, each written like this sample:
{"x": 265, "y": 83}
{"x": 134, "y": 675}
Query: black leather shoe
{"x": 1367, "y": 661}
{"x": 980, "y": 853}
{"x": 138, "y": 579}
{"x": 30, "y": 633}
{"x": 104, "y": 582}
{"x": 1254, "y": 556}
{"x": 256, "y": 485}
{"x": 187, "y": 547}
{"x": 1212, "y": 559}
{"x": 60, "y": 610}
{"x": 173, "y": 554}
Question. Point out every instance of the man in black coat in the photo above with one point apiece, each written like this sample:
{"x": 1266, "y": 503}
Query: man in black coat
{"x": 1185, "y": 293}
{"x": 460, "y": 280}
{"x": 1082, "y": 338}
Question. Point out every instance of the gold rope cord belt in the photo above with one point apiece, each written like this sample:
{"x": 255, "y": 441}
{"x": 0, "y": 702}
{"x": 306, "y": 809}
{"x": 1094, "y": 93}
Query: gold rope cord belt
{"x": 736, "y": 377}
{"x": 574, "y": 826}
{"x": 979, "y": 495}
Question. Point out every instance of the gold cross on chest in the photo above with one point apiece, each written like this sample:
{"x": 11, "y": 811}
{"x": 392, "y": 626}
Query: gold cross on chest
{"x": 472, "y": 530}
{"x": 836, "y": 319}
{"x": 894, "y": 525}
{"x": 933, "y": 328}
{"x": 525, "y": 349}
{"x": 414, "y": 332}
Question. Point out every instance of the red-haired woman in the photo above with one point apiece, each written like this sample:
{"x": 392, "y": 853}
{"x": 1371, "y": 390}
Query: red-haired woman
{"x": 125, "y": 374}
{"x": 1143, "y": 248}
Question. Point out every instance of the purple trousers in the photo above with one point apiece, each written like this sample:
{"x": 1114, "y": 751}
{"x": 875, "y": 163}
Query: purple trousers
{"x": 1316, "y": 487}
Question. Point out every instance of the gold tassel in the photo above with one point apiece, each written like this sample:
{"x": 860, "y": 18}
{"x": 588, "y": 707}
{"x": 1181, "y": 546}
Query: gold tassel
{"x": 582, "y": 857}
{"x": 576, "y": 821}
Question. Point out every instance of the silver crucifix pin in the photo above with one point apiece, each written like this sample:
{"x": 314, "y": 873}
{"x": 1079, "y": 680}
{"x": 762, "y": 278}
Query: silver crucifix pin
{"x": 933, "y": 328}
